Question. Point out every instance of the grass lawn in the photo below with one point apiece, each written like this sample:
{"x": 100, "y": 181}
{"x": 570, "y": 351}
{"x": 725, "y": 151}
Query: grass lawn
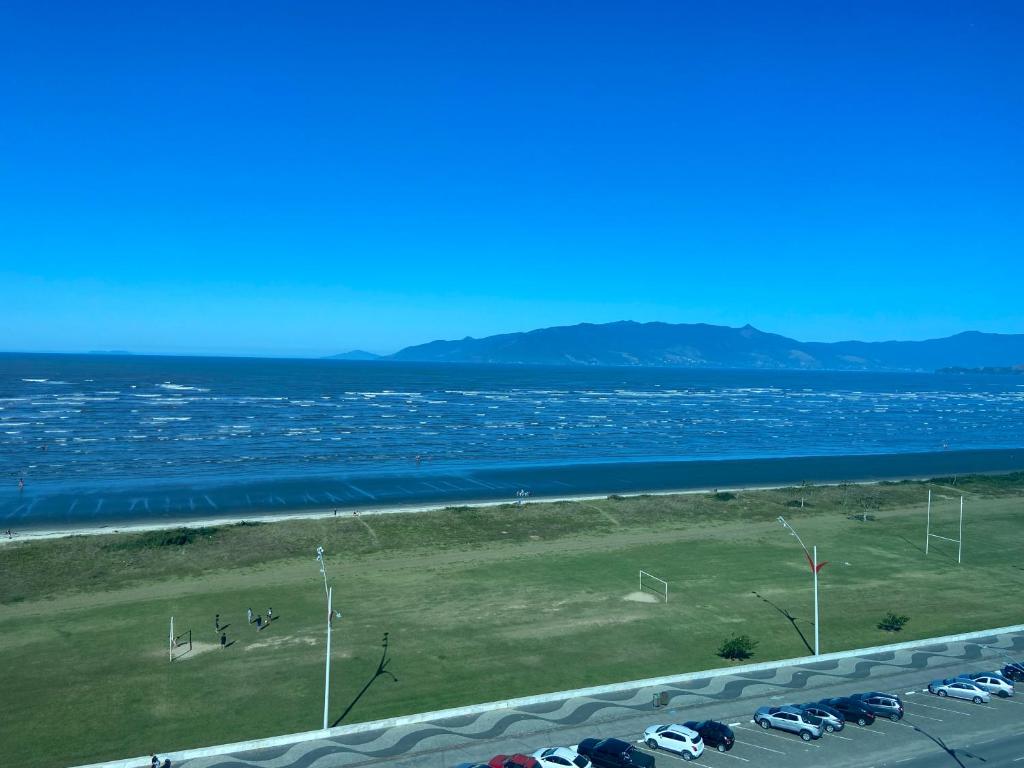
{"x": 478, "y": 603}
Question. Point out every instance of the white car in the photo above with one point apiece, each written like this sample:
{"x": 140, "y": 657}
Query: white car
{"x": 991, "y": 682}
{"x": 561, "y": 757}
{"x": 675, "y": 738}
{"x": 958, "y": 689}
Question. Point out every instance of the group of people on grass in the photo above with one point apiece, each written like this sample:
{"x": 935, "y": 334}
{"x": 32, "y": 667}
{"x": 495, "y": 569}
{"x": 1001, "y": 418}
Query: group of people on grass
{"x": 250, "y": 616}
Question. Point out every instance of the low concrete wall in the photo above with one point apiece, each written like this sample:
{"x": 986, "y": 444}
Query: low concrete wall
{"x": 599, "y": 690}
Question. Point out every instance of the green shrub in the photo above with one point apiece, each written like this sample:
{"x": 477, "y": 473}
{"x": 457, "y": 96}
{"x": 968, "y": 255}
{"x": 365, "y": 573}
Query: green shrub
{"x": 892, "y": 622}
{"x": 724, "y": 496}
{"x": 737, "y": 648}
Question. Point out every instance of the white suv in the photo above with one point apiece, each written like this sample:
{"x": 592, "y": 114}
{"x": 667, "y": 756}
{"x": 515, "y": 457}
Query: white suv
{"x": 675, "y": 738}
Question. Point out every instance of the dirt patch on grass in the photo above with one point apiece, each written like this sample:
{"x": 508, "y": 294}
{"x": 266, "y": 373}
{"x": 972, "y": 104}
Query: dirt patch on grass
{"x": 198, "y": 647}
{"x": 279, "y": 642}
{"x": 642, "y": 597}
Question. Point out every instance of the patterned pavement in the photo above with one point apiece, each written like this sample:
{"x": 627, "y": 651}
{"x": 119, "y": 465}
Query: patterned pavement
{"x": 444, "y": 742}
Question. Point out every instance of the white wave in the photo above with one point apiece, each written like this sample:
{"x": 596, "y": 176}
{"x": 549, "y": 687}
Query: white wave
{"x": 181, "y": 387}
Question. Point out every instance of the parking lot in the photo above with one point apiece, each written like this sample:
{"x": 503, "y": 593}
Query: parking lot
{"x": 933, "y": 732}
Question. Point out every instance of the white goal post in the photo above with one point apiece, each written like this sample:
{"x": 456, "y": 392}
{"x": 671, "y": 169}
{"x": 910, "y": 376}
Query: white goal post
{"x": 928, "y": 535}
{"x": 652, "y": 583}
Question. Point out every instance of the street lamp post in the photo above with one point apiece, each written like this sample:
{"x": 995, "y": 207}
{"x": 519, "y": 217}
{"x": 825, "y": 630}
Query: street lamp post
{"x": 812, "y": 560}
{"x": 330, "y": 615}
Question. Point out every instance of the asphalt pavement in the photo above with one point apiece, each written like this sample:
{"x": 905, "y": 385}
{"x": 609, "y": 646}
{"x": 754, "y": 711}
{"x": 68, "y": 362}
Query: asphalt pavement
{"x": 934, "y": 732}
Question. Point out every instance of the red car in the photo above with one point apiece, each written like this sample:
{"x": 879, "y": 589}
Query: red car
{"x": 513, "y": 761}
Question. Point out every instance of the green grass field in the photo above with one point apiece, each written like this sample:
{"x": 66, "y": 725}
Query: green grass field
{"x": 479, "y": 604}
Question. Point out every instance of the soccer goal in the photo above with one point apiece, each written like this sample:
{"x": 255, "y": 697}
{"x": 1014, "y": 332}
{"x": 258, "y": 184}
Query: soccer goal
{"x": 928, "y": 535}
{"x": 176, "y": 643}
{"x": 650, "y": 583}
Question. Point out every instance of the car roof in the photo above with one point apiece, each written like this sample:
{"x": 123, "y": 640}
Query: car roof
{"x": 683, "y": 729}
{"x": 557, "y": 752}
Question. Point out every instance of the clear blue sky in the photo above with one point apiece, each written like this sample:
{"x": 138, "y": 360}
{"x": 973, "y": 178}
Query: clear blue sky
{"x": 307, "y": 178}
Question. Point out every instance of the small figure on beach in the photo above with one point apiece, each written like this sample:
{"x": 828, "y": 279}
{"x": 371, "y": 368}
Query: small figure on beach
{"x": 248, "y": 614}
{"x": 167, "y": 763}
{"x": 223, "y": 639}
{"x": 154, "y": 761}
{"x": 270, "y": 615}
{"x": 335, "y": 513}
{"x": 259, "y": 622}
{"x": 216, "y": 623}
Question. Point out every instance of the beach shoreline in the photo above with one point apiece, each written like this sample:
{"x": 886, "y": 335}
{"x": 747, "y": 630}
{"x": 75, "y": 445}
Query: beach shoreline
{"x": 43, "y": 534}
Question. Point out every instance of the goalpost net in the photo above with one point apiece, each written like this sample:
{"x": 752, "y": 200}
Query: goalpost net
{"x": 651, "y": 583}
{"x": 181, "y": 642}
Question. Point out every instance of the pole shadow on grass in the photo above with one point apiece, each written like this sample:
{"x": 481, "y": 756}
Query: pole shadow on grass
{"x": 792, "y": 620}
{"x": 953, "y": 753}
{"x": 381, "y": 670}
{"x": 918, "y": 547}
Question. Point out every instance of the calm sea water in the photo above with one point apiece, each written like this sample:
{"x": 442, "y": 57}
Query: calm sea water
{"x": 109, "y": 438}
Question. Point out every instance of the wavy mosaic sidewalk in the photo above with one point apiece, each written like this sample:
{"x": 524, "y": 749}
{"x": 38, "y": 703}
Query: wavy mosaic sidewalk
{"x": 454, "y": 733}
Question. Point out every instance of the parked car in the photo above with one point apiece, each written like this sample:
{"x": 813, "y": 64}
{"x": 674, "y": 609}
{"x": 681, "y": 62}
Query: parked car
{"x": 790, "y": 719}
{"x": 882, "y": 704}
{"x": 852, "y": 711}
{"x": 832, "y": 718}
{"x": 675, "y": 738}
{"x": 992, "y": 682}
{"x": 958, "y": 689}
{"x": 613, "y": 753}
{"x": 713, "y": 733}
{"x": 560, "y": 757}
{"x": 512, "y": 761}
{"x": 1014, "y": 672}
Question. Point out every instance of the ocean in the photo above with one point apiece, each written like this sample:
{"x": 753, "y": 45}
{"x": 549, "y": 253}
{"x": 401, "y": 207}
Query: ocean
{"x": 102, "y": 440}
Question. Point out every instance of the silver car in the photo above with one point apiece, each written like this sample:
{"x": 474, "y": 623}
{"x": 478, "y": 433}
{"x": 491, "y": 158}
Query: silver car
{"x": 790, "y": 719}
{"x": 991, "y": 682}
{"x": 958, "y": 689}
{"x": 831, "y": 719}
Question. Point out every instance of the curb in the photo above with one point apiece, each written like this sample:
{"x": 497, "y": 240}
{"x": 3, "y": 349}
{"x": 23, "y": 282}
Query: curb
{"x": 476, "y": 709}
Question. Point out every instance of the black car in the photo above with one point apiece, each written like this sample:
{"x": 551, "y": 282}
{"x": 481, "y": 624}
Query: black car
{"x": 1014, "y": 672}
{"x": 882, "y": 704}
{"x": 714, "y": 734}
{"x": 851, "y": 710}
{"x": 614, "y": 753}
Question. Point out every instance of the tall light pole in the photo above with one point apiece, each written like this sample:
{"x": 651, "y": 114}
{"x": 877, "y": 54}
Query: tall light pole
{"x": 330, "y": 615}
{"x": 812, "y": 560}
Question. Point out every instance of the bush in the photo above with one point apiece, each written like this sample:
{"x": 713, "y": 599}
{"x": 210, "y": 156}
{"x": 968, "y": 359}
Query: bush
{"x": 737, "y": 648}
{"x": 892, "y": 622}
{"x": 724, "y": 496}
{"x": 178, "y": 537}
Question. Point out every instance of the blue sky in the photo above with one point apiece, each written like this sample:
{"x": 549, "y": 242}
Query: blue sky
{"x": 307, "y": 178}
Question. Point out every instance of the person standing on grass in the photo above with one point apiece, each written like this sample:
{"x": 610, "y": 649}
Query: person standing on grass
{"x": 223, "y": 639}
{"x": 216, "y": 623}
{"x": 270, "y": 615}
{"x": 248, "y": 614}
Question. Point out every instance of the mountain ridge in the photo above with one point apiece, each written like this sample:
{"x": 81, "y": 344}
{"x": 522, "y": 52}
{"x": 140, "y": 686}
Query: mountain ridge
{"x": 701, "y": 345}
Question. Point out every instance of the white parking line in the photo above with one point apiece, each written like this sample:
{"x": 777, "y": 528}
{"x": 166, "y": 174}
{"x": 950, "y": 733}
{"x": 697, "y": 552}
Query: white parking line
{"x": 724, "y": 754}
{"x": 942, "y": 709}
{"x": 925, "y": 717}
{"x": 661, "y": 753}
{"x": 789, "y": 739}
{"x": 758, "y": 746}
{"x": 836, "y": 736}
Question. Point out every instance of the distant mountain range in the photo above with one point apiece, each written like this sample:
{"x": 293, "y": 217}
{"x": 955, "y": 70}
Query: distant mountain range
{"x": 712, "y": 346}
